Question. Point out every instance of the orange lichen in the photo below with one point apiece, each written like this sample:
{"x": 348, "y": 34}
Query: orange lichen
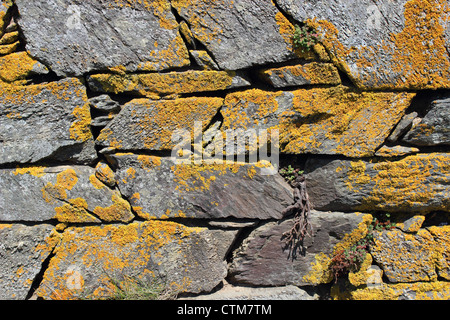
{"x": 36, "y": 171}
{"x": 16, "y": 66}
{"x": 155, "y": 84}
{"x": 120, "y": 210}
{"x": 408, "y": 182}
{"x": 417, "y": 54}
{"x": 113, "y": 249}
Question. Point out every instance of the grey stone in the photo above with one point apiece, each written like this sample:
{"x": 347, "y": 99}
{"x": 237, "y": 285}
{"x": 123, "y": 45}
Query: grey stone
{"x": 230, "y": 292}
{"x": 68, "y": 194}
{"x": 164, "y": 187}
{"x": 101, "y": 121}
{"x": 45, "y": 121}
{"x": 402, "y": 127}
{"x": 434, "y": 129}
{"x": 417, "y": 183}
{"x": 104, "y": 103}
{"x": 204, "y": 60}
{"x": 239, "y": 33}
{"x": 23, "y": 250}
{"x": 379, "y": 44}
{"x": 264, "y": 260}
{"x": 74, "y": 37}
{"x": 182, "y": 259}
{"x": 145, "y": 124}
{"x": 403, "y": 257}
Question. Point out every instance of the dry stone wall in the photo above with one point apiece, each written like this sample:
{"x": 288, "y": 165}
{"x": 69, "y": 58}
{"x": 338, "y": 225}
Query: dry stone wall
{"x": 122, "y": 165}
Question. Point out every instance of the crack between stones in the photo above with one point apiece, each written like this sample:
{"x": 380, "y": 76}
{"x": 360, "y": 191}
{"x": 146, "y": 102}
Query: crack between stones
{"x": 40, "y": 275}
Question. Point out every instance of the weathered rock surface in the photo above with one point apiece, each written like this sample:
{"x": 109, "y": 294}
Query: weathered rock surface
{"x": 74, "y": 37}
{"x": 23, "y": 249}
{"x": 417, "y": 183}
{"x": 434, "y": 129}
{"x": 18, "y": 66}
{"x": 302, "y": 74}
{"x": 239, "y": 33}
{"x": 441, "y": 235}
{"x": 181, "y": 258}
{"x": 68, "y": 194}
{"x": 436, "y": 290}
{"x": 145, "y": 124}
{"x": 319, "y": 120}
{"x": 263, "y": 260}
{"x": 230, "y": 292}
{"x": 387, "y": 44}
{"x": 45, "y": 121}
{"x": 405, "y": 257}
{"x": 154, "y": 85}
{"x": 164, "y": 188}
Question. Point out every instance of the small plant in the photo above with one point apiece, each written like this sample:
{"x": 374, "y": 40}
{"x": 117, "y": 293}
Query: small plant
{"x": 350, "y": 259}
{"x": 290, "y": 174}
{"x": 136, "y": 289}
{"x": 305, "y": 37}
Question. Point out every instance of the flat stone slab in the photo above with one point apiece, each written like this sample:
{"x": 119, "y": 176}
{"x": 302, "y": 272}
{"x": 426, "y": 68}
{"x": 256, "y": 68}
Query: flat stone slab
{"x": 45, "y": 121}
{"x": 383, "y": 44}
{"x": 330, "y": 121}
{"x": 164, "y": 188}
{"x": 145, "y": 124}
{"x": 154, "y": 254}
{"x": 417, "y": 183}
{"x": 74, "y": 37}
{"x": 264, "y": 260}
{"x": 23, "y": 250}
{"x": 66, "y": 193}
{"x": 239, "y": 33}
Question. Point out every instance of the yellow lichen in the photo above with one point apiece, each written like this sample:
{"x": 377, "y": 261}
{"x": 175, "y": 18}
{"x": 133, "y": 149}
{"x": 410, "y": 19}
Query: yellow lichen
{"x": 16, "y": 66}
{"x": 36, "y": 171}
{"x": 120, "y": 210}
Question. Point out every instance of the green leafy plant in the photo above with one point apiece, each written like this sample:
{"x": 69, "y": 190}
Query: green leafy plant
{"x": 305, "y": 37}
{"x": 289, "y": 173}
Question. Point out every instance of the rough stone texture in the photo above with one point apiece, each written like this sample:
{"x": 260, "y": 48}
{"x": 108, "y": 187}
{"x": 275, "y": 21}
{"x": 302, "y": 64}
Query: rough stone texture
{"x": 230, "y": 292}
{"x": 145, "y": 124}
{"x": 302, "y": 74}
{"x": 383, "y": 44}
{"x": 164, "y": 188}
{"x": 402, "y": 127}
{"x": 239, "y": 33}
{"x": 437, "y": 290}
{"x": 204, "y": 60}
{"x": 18, "y": 66}
{"x": 23, "y": 249}
{"x": 104, "y": 103}
{"x": 45, "y": 121}
{"x": 441, "y": 236}
{"x": 68, "y": 194}
{"x": 395, "y": 151}
{"x": 74, "y": 37}
{"x": 154, "y": 85}
{"x": 405, "y": 257}
{"x": 417, "y": 183}
{"x": 262, "y": 259}
{"x": 434, "y": 129}
{"x": 320, "y": 120}
{"x": 181, "y": 258}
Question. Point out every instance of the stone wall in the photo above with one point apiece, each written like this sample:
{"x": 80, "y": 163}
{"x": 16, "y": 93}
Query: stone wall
{"x": 97, "y": 196}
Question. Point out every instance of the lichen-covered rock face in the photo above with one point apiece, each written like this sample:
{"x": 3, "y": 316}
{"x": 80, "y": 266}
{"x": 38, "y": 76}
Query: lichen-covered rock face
{"x": 385, "y": 45}
{"x": 145, "y": 124}
{"x": 68, "y": 194}
{"x": 151, "y": 149}
{"x": 45, "y": 121}
{"x": 321, "y": 120}
{"x": 92, "y": 262}
{"x": 417, "y": 183}
{"x": 22, "y": 252}
{"x": 240, "y": 33}
{"x": 165, "y": 188}
{"x": 264, "y": 260}
{"x": 434, "y": 128}
{"x": 75, "y": 37}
